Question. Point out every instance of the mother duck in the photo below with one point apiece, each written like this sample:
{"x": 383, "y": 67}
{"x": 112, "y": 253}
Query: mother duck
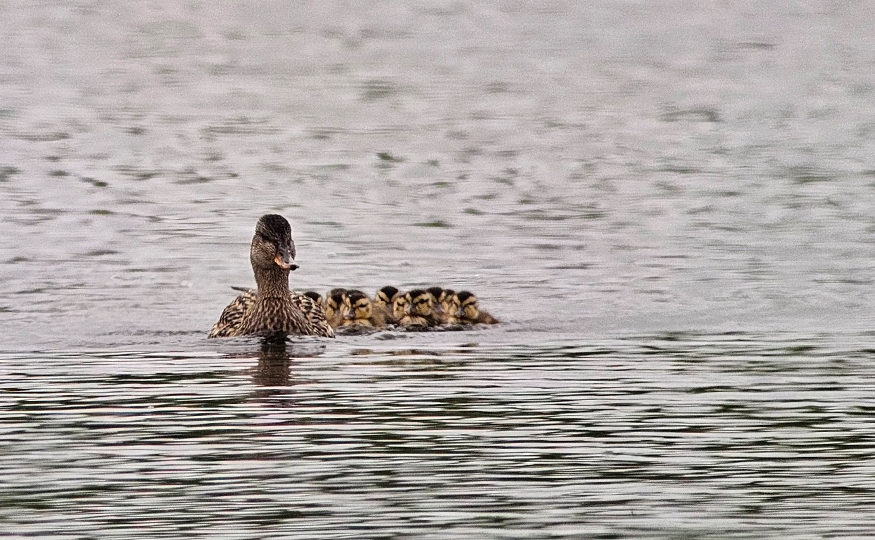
{"x": 272, "y": 310}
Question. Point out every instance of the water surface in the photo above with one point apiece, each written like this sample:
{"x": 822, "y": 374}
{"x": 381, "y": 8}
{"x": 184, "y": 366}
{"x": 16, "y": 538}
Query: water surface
{"x": 668, "y": 205}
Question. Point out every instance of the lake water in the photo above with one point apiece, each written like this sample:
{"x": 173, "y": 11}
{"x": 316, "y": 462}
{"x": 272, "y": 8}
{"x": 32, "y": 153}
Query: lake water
{"x": 668, "y": 204}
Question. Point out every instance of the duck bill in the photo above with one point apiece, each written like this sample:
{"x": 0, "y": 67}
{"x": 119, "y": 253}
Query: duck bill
{"x": 285, "y": 260}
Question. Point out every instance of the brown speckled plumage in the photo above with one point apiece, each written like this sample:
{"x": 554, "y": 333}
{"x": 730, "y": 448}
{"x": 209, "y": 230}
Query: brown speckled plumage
{"x": 272, "y": 309}
{"x": 230, "y": 323}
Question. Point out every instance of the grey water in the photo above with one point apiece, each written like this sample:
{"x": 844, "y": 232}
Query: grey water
{"x": 668, "y": 205}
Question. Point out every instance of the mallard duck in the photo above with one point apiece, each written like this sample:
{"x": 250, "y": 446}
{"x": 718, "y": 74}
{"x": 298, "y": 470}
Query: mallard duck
{"x": 421, "y": 310}
{"x": 274, "y": 310}
{"x": 334, "y": 306}
{"x": 469, "y": 313}
{"x": 358, "y": 310}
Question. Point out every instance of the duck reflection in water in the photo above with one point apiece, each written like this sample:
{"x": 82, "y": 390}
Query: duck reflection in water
{"x": 275, "y": 358}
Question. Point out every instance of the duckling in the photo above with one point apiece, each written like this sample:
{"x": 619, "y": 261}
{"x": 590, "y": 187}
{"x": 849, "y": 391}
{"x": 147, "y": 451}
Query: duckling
{"x": 470, "y": 313}
{"x": 316, "y": 297}
{"x": 446, "y": 306}
{"x": 449, "y": 302}
{"x": 275, "y": 310}
{"x": 399, "y": 309}
{"x": 437, "y": 292}
{"x": 358, "y": 310}
{"x": 421, "y": 311}
{"x": 385, "y": 295}
{"x": 334, "y": 306}
{"x": 382, "y": 302}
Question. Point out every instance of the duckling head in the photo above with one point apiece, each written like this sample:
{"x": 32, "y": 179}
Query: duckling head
{"x": 449, "y": 302}
{"x": 468, "y": 305}
{"x": 421, "y": 302}
{"x": 316, "y": 297}
{"x": 400, "y": 306}
{"x": 272, "y": 244}
{"x": 385, "y": 295}
{"x": 334, "y": 301}
{"x": 437, "y": 293}
{"x": 357, "y": 306}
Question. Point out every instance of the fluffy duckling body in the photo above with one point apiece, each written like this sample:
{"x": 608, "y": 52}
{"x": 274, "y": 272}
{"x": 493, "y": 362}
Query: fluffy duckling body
{"x": 334, "y": 301}
{"x": 449, "y": 303}
{"x": 438, "y": 308}
{"x": 382, "y": 303}
{"x": 359, "y": 310}
{"x": 399, "y": 309}
{"x": 272, "y": 309}
{"x": 421, "y": 309}
{"x": 470, "y": 313}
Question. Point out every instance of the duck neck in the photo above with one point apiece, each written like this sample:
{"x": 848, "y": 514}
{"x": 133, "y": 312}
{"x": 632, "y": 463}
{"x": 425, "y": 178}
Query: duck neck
{"x": 272, "y": 281}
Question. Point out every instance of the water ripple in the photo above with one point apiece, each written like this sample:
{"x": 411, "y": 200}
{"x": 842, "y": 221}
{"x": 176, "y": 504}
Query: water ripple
{"x": 700, "y": 435}
{"x": 673, "y": 226}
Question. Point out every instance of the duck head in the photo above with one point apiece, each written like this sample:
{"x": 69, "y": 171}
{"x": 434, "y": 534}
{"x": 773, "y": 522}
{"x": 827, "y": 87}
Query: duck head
{"x": 468, "y": 305}
{"x": 385, "y": 295}
{"x": 421, "y": 303}
{"x": 273, "y": 244}
{"x": 334, "y": 302}
{"x": 449, "y": 303}
{"x": 357, "y": 306}
{"x": 400, "y": 306}
{"x": 315, "y": 296}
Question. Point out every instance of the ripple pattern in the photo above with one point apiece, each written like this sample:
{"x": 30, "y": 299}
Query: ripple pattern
{"x": 730, "y": 436}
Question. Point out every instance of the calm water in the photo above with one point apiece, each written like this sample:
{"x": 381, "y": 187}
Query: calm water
{"x": 669, "y": 205}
